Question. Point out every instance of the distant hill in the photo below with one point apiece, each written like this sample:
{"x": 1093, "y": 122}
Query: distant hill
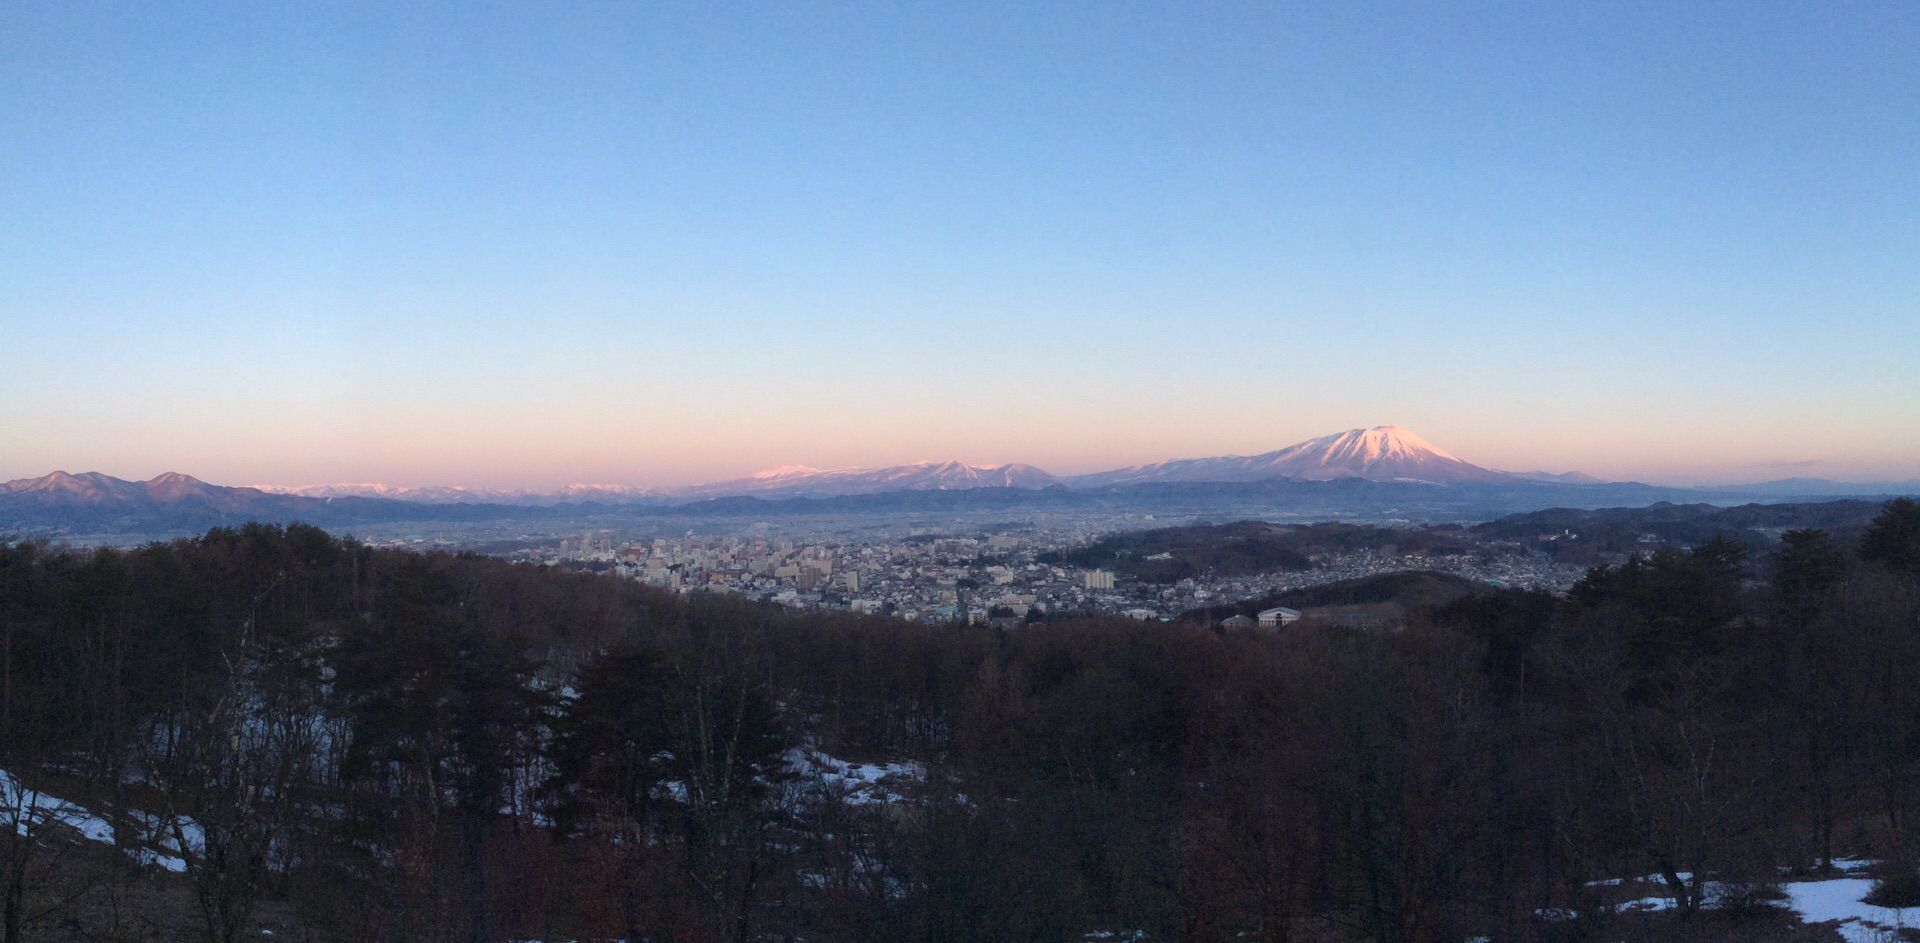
{"x": 1169, "y": 554}
{"x": 1585, "y": 537}
{"x": 1410, "y": 590}
{"x": 107, "y": 494}
{"x": 1562, "y": 478}
{"x": 174, "y": 503}
{"x": 1821, "y": 487}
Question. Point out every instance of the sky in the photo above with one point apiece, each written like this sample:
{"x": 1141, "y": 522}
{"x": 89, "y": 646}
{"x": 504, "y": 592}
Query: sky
{"x": 522, "y": 245}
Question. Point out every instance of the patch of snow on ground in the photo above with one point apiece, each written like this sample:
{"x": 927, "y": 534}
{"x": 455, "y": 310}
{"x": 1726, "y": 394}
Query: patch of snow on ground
{"x": 1643, "y": 879}
{"x": 1662, "y": 900}
{"x": 169, "y": 862}
{"x": 1644, "y": 905}
{"x": 1839, "y": 899}
{"x": 28, "y": 807}
{"x": 853, "y": 783}
{"x": 1835, "y": 900}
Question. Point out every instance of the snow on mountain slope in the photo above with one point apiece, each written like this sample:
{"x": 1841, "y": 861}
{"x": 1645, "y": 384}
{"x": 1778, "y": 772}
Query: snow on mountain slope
{"x": 1382, "y": 453}
{"x": 95, "y": 490}
{"x": 456, "y": 494}
{"x": 785, "y": 481}
{"x": 786, "y": 472}
{"x": 799, "y": 481}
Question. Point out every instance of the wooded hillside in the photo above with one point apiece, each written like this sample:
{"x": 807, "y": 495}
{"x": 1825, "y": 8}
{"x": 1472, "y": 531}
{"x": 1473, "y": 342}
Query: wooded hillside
{"x": 401, "y": 746}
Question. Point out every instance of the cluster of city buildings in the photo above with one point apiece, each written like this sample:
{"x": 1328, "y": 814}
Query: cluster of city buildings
{"x": 979, "y": 578}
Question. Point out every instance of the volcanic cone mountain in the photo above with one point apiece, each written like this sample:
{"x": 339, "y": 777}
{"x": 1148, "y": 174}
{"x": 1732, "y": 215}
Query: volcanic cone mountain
{"x": 1382, "y": 453}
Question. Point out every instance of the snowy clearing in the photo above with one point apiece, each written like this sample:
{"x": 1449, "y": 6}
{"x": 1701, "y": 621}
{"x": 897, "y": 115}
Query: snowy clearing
{"x": 854, "y": 783}
{"x": 1839, "y": 900}
{"x": 1836, "y": 900}
{"x": 30, "y": 808}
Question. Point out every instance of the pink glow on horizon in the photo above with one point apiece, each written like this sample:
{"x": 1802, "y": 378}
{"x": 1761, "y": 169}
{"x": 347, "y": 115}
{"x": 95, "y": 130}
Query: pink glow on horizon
{"x": 544, "y": 462}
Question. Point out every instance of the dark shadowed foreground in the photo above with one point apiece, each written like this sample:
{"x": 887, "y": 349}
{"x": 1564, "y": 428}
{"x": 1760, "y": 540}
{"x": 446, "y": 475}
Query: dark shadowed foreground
{"x": 270, "y": 724}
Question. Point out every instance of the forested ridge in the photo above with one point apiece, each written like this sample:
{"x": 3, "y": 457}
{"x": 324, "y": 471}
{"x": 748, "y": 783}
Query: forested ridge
{"x": 1167, "y": 554}
{"x": 387, "y": 745}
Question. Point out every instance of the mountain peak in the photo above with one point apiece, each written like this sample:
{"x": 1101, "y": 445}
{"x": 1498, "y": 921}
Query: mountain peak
{"x": 785, "y": 471}
{"x": 174, "y": 485}
{"x": 1382, "y": 453}
{"x": 1380, "y": 443}
{"x": 86, "y": 487}
{"x": 174, "y": 481}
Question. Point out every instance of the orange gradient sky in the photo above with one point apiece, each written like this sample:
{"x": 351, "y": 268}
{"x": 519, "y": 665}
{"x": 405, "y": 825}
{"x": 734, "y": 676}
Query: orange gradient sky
{"x": 523, "y": 246}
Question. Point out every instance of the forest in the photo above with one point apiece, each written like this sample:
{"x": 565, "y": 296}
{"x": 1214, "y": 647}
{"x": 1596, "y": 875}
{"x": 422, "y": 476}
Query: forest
{"x": 271, "y": 725}
{"x": 1569, "y": 535}
{"x": 1169, "y": 554}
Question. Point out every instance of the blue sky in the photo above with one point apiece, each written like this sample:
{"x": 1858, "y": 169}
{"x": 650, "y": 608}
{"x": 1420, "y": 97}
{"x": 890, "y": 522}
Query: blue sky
{"x": 647, "y": 243}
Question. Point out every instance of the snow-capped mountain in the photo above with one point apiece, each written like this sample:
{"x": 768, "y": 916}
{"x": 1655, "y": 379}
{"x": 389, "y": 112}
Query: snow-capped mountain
{"x": 95, "y": 490}
{"x": 801, "y": 481}
{"x": 457, "y": 494}
{"x": 368, "y": 489}
{"x": 1382, "y": 453}
{"x": 785, "y": 481}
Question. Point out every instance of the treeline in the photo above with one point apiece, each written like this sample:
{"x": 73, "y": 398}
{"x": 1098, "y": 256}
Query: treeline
{"x": 401, "y": 746}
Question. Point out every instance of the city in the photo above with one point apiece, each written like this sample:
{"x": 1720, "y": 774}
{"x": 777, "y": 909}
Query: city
{"x": 984, "y": 577}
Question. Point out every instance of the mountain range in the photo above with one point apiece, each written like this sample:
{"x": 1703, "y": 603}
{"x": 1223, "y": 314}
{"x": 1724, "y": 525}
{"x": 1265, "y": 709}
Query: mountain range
{"x": 801, "y": 482}
{"x": 1383, "y": 453}
{"x": 1379, "y": 469}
